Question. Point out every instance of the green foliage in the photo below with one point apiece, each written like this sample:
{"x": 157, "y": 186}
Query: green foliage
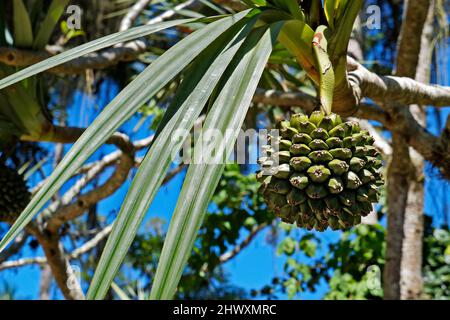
{"x": 353, "y": 265}
{"x": 437, "y": 264}
{"x": 357, "y": 260}
{"x": 227, "y": 112}
{"x": 23, "y": 32}
{"x": 298, "y": 276}
{"x": 143, "y": 258}
{"x": 345, "y": 287}
{"x": 49, "y": 23}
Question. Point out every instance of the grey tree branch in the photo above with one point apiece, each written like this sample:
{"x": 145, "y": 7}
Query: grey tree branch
{"x": 286, "y": 99}
{"x": 100, "y": 60}
{"x": 385, "y": 89}
{"x": 91, "y": 244}
{"x": 107, "y": 161}
{"x": 168, "y": 14}
{"x": 308, "y": 103}
{"x": 22, "y": 262}
{"x": 132, "y": 14}
{"x": 235, "y": 5}
{"x": 75, "y": 254}
{"x": 432, "y": 148}
{"x": 241, "y": 246}
{"x": 65, "y": 210}
{"x": 124, "y": 52}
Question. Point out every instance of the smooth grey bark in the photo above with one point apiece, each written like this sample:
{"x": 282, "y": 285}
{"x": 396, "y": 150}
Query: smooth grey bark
{"x": 411, "y": 268}
{"x": 403, "y": 270}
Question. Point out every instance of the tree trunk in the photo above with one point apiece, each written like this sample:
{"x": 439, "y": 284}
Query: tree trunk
{"x": 45, "y": 283}
{"x": 403, "y": 270}
{"x": 397, "y": 181}
{"x": 411, "y": 267}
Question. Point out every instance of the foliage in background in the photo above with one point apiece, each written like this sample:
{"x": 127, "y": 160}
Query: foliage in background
{"x": 353, "y": 265}
{"x": 437, "y": 263}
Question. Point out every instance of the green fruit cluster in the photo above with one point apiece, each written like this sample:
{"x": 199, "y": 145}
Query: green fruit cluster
{"x": 320, "y": 172}
{"x": 14, "y": 194}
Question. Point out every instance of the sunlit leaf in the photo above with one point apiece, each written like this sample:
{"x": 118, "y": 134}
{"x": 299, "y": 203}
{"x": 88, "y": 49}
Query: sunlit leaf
{"x": 46, "y": 28}
{"x": 228, "y": 112}
{"x": 23, "y": 33}
{"x": 190, "y": 99}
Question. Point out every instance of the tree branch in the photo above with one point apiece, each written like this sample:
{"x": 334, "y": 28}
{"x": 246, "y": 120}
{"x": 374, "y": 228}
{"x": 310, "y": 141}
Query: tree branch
{"x": 308, "y": 103}
{"x": 235, "y": 5}
{"x": 409, "y": 41}
{"x": 384, "y": 89}
{"x": 129, "y": 51}
{"x": 75, "y": 254}
{"x": 59, "y": 263}
{"x": 286, "y": 99}
{"x": 433, "y": 149}
{"x": 22, "y": 263}
{"x": 132, "y": 14}
{"x": 91, "y": 244}
{"x": 237, "y": 249}
{"x": 107, "y": 161}
{"x": 100, "y": 60}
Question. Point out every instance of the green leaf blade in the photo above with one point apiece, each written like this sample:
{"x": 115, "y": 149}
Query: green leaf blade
{"x": 228, "y": 112}
{"x": 54, "y": 13}
{"x": 23, "y": 32}
{"x": 329, "y": 8}
{"x": 187, "y": 105}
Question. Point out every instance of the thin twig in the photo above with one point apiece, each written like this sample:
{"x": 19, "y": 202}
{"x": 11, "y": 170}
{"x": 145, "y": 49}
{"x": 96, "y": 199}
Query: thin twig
{"x": 75, "y": 254}
{"x": 241, "y": 246}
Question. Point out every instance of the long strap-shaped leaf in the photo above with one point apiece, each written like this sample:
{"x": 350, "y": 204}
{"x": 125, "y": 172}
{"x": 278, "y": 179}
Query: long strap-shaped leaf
{"x": 150, "y": 81}
{"x": 329, "y": 7}
{"x": 200, "y": 80}
{"x": 23, "y": 32}
{"x": 345, "y": 16}
{"x": 46, "y": 28}
{"x": 325, "y": 68}
{"x": 92, "y": 46}
{"x": 228, "y": 112}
